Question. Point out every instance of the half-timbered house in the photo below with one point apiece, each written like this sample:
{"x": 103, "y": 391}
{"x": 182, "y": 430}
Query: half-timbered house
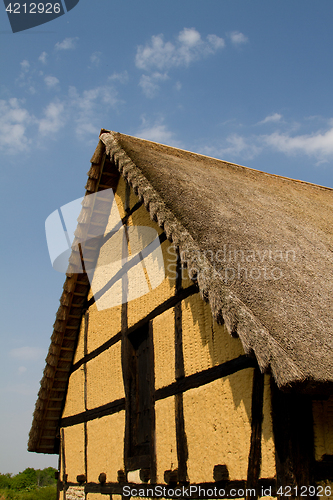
{"x": 193, "y": 344}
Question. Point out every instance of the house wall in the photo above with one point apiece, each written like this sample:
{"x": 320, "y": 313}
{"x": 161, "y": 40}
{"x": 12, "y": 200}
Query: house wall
{"x": 206, "y": 425}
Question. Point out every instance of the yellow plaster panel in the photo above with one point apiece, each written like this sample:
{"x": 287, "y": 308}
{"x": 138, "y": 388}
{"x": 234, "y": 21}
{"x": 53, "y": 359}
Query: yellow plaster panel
{"x": 103, "y": 325}
{"x": 218, "y": 426}
{"x": 186, "y": 281}
{"x": 96, "y": 496}
{"x": 75, "y": 394}
{"x": 120, "y": 196}
{"x": 166, "y": 444}
{"x": 104, "y": 378}
{"x": 140, "y": 307}
{"x": 267, "y": 469}
{"x": 79, "y": 353}
{"x": 105, "y": 446}
{"x": 205, "y": 342}
{"x": 323, "y": 427}
{"x": 74, "y": 451}
{"x": 141, "y": 217}
{"x": 164, "y": 348}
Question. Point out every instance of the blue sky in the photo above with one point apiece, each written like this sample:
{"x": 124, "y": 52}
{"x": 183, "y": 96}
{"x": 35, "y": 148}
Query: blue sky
{"x": 248, "y": 82}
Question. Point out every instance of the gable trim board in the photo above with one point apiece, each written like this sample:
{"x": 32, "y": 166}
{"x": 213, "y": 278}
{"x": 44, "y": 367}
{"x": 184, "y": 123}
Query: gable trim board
{"x": 145, "y": 166}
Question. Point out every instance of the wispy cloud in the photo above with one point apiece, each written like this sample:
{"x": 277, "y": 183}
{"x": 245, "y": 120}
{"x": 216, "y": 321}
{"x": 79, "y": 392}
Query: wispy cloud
{"x": 27, "y": 353}
{"x": 42, "y": 58}
{"x": 89, "y": 105}
{"x": 51, "y": 81}
{"x": 188, "y": 47}
{"x": 237, "y": 38}
{"x": 120, "y": 77}
{"x": 149, "y": 85}
{"x": 275, "y": 117}
{"x": 53, "y": 118}
{"x": 14, "y": 121}
{"x": 95, "y": 58}
{"x": 25, "y": 65}
{"x": 319, "y": 144}
{"x": 67, "y": 44}
{"x": 157, "y": 132}
{"x": 233, "y": 147}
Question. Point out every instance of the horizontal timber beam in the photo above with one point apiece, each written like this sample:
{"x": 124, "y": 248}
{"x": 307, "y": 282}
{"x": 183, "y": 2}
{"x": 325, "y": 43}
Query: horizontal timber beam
{"x": 206, "y": 376}
{"x": 167, "y": 304}
{"x": 182, "y": 385}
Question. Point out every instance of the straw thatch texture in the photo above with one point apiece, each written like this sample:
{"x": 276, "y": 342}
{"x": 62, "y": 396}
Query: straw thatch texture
{"x": 210, "y": 208}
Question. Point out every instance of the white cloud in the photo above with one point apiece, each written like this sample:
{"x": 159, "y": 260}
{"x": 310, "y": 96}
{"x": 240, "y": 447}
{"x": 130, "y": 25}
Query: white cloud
{"x": 318, "y": 144}
{"x": 22, "y": 369}
{"x": 51, "y": 81}
{"x": 95, "y": 58}
{"x": 149, "y": 83}
{"x": 236, "y": 146}
{"x": 42, "y": 58}
{"x": 178, "y": 86}
{"x": 54, "y": 118}
{"x": 120, "y": 77}
{"x": 67, "y": 44}
{"x": 216, "y": 42}
{"x": 25, "y": 65}
{"x": 275, "y": 117}
{"x": 28, "y": 353}
{"x": 14, "y": 120}
{"x": 237, "y": 38}
{"x": 158, "y": 132}
{"x": 188, "y": 47}
{"x": 89, "y": 105}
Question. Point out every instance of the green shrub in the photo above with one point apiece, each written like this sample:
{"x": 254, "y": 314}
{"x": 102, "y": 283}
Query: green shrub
{"x": 30, "y": 484}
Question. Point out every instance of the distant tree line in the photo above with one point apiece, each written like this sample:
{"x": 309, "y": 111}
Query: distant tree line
{"x": 30, "y": 484}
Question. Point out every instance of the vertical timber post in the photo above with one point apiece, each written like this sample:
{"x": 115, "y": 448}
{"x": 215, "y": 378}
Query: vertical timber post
{"x": 182, "y": 450}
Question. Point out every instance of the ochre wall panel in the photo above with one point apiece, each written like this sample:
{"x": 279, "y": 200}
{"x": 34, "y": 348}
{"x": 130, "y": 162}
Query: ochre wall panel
{"x": 103, "y": 325}
{"x": 218, "y": 426}
{"x": 105, "y": 446}
{"x": 164, "y": 348}
{"x": 104, "y": 378}
{"x": 97, "y": 496}
{"x": 120, "y": 197}
{"x": 142, "y": 218}
{"x": 75, "y": 394}
{"x": 74, "y": 451}
{"x": 267, "y": 439}
{"x": 140, "y": 307}
{"x": 205, "y": 343}
{"x": 166, "y": 444}
{"x": 323, "y": 427}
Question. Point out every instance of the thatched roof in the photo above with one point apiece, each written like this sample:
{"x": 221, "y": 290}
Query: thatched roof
{"x": 259, "y": 245}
